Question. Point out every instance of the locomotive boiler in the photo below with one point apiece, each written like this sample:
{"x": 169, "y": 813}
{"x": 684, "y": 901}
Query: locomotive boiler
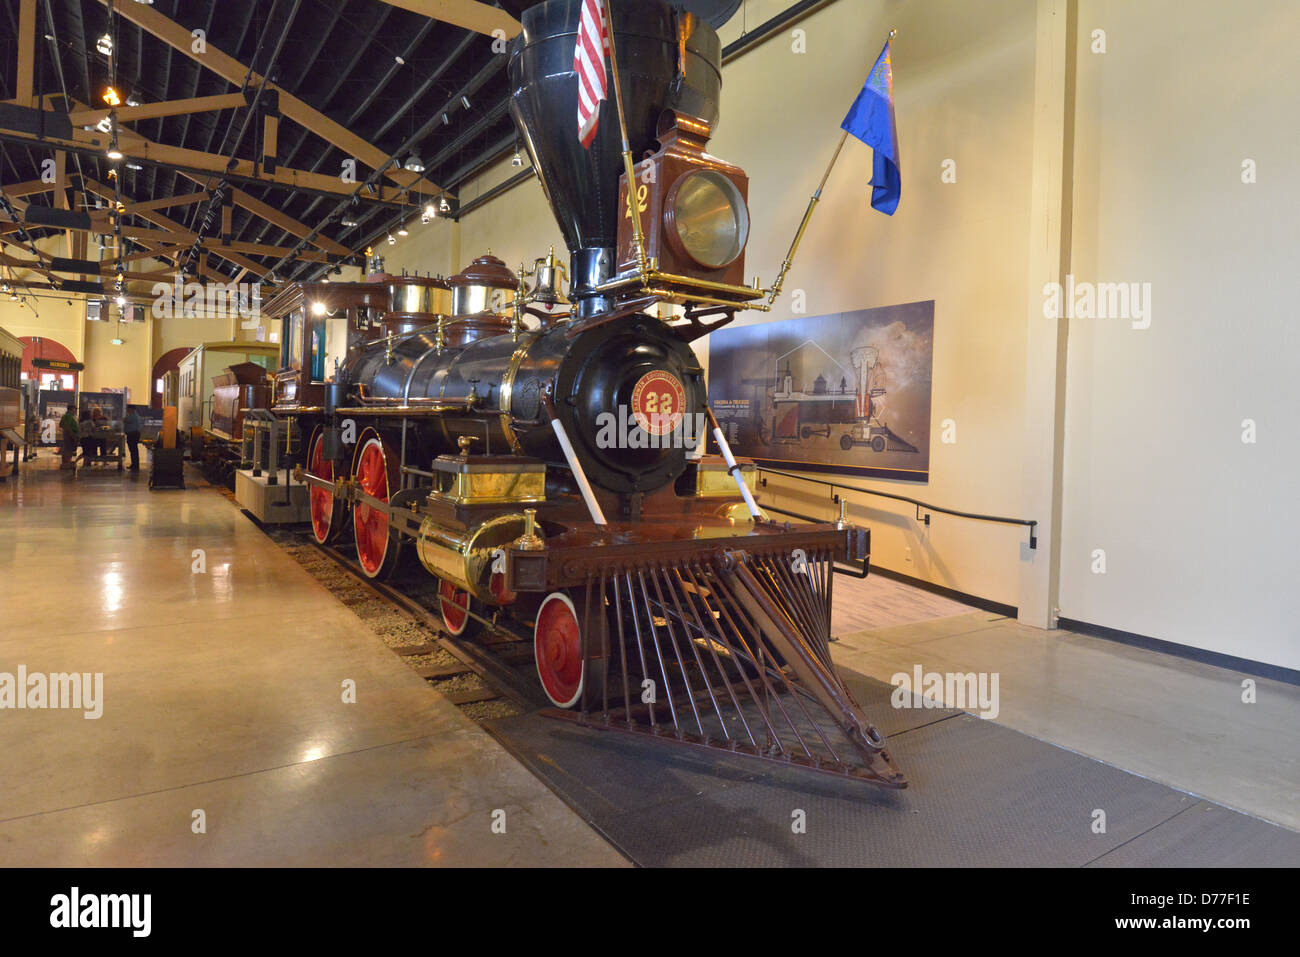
{"x": 547, "y": 461}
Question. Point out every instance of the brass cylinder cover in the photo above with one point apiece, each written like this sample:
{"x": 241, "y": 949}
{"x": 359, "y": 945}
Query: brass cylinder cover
{"x": 465, "y": 558}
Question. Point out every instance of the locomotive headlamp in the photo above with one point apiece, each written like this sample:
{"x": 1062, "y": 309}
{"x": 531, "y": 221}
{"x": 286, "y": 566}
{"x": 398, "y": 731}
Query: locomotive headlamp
{"x": 694, "y": 213}
{"x": 708, "y": 218}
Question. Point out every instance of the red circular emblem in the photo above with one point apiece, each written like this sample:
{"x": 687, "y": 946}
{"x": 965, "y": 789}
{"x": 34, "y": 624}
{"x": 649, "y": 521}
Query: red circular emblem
{"x": 659, "y": 402}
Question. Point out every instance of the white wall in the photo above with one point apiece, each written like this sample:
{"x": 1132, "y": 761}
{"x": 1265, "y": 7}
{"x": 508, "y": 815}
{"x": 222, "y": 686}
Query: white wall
{"x": 1198, "y": 528}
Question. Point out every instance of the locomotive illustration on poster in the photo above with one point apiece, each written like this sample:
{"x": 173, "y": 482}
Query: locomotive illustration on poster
{"x": 848, "y": 392}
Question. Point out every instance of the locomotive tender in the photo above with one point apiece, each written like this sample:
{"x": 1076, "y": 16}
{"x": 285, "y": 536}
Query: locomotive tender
{"x": 660, "y": 599}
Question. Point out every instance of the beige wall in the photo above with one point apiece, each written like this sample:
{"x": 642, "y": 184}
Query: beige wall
{"x": 53, "y": 318}
{"x": 964, "y": 91}
{"x": 1198, "y": 528}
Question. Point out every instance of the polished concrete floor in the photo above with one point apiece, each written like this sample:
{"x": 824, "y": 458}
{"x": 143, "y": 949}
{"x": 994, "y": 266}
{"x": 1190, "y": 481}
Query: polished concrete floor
{"x": 223, "y": 694}
{"x": 1175, "y": 721}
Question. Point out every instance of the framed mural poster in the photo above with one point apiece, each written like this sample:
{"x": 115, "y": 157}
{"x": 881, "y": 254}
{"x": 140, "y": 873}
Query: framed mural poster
{"x": 846, "y": 393}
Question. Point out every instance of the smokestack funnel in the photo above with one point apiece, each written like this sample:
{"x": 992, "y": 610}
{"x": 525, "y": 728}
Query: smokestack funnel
{"x": 667, "y": 60}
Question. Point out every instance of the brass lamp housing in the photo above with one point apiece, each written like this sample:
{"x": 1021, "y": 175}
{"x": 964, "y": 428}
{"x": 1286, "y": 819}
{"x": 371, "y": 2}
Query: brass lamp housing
{"x": 660, "y": 180}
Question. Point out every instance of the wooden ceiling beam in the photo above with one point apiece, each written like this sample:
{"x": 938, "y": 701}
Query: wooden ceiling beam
{"x": 167, "y": 201}
{"x": 231, "y": 70}
{"x": 26, "y": 44}
{"x": 134, "y": 146}
{"x": 171, "y": 231}
{"x": 276, "y": 218}
{"x": 153, "y": 111}
{"x": 29, "y": 188}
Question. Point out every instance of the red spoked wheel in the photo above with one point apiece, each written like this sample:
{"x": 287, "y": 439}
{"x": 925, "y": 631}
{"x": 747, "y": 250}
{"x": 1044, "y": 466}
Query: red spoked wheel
{"x": 557, "y": 649}
{"x": 326, "y": 510}
{"x": 375, "y": 468}
{"x": 455, "y": 605}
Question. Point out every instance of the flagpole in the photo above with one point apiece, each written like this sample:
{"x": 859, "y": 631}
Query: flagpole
{"x": 808, "y": 213}
{"x": 629, "y": 167}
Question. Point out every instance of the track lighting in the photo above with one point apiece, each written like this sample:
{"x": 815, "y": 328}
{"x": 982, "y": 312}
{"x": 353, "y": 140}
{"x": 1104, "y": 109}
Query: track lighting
{"x": 445, "y": 120}
{"x": 349, "y": 224}
{"x": 105, "y": 45}
{"x": 444, "y": 205}
{"x": 464, "y": 101}
{"x": 517, "y": 160}
{"x": 105, "y": 125}
{"x": 112, "y": 98}
{"x": 133, "y": 99}
{"x": 391, "y": 240}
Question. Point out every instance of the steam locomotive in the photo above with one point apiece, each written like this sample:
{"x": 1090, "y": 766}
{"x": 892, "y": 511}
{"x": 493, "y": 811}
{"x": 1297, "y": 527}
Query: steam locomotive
{"x": 543, "y": 457}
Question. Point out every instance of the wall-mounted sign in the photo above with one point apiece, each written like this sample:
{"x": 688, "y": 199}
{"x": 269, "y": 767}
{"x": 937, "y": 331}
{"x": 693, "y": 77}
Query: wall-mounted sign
{"x": 59, "y": 365}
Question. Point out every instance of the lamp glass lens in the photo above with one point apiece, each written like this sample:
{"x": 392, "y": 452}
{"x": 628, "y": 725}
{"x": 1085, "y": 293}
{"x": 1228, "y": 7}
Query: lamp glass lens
{"x": 711, "y": 218}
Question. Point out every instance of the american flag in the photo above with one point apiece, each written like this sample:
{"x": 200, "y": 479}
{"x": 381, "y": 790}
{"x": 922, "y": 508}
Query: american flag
{"x": 589, "y": 64}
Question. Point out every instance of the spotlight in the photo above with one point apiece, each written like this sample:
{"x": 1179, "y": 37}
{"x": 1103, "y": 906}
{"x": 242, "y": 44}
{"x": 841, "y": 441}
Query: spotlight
{"x": 147, "y": 3}
{"x": 414, "y": 165}
{"x": 111, "y": 97}
{"x": 133, "y": 98}
{"x": 445, "y": 120}
{"x": 134, "y": 166}
{"x": 391, "y": 240}
{"x": 318, "y": 308}
{"x": 444, "y": 205}
{"x": 105, "y": 125}
{"x": 464, "y": 101}
{"x": 424, "y": 216}
{"x": 400, "y": 61}
{"x": 121, "y": 302}
{"x": 349, "y": 224}
{"x": 114, "y": 153}
{"x": 105, "y": 45}
{"x": 517, "y": 160}
{"x": 402, "y": 230}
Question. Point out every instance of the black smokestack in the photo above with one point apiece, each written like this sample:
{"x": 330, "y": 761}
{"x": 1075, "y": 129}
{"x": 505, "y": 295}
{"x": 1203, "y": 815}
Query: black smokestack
{"x": 667, "y": 60}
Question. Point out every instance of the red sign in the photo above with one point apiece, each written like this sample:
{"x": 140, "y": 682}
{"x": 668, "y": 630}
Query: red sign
{"x": 659, "y": 402}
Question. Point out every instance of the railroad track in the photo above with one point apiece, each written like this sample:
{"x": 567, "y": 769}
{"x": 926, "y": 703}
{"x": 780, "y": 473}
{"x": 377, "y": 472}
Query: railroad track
{"x": 500, "y": 659}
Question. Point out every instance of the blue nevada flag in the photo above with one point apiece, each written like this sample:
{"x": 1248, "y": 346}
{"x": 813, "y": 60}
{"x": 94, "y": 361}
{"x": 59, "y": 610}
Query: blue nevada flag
{"x": 871, "y": 119}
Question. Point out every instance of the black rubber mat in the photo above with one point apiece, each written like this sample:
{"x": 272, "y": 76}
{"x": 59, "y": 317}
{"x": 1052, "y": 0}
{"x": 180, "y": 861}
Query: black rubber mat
{"x": 980, "y": 794}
